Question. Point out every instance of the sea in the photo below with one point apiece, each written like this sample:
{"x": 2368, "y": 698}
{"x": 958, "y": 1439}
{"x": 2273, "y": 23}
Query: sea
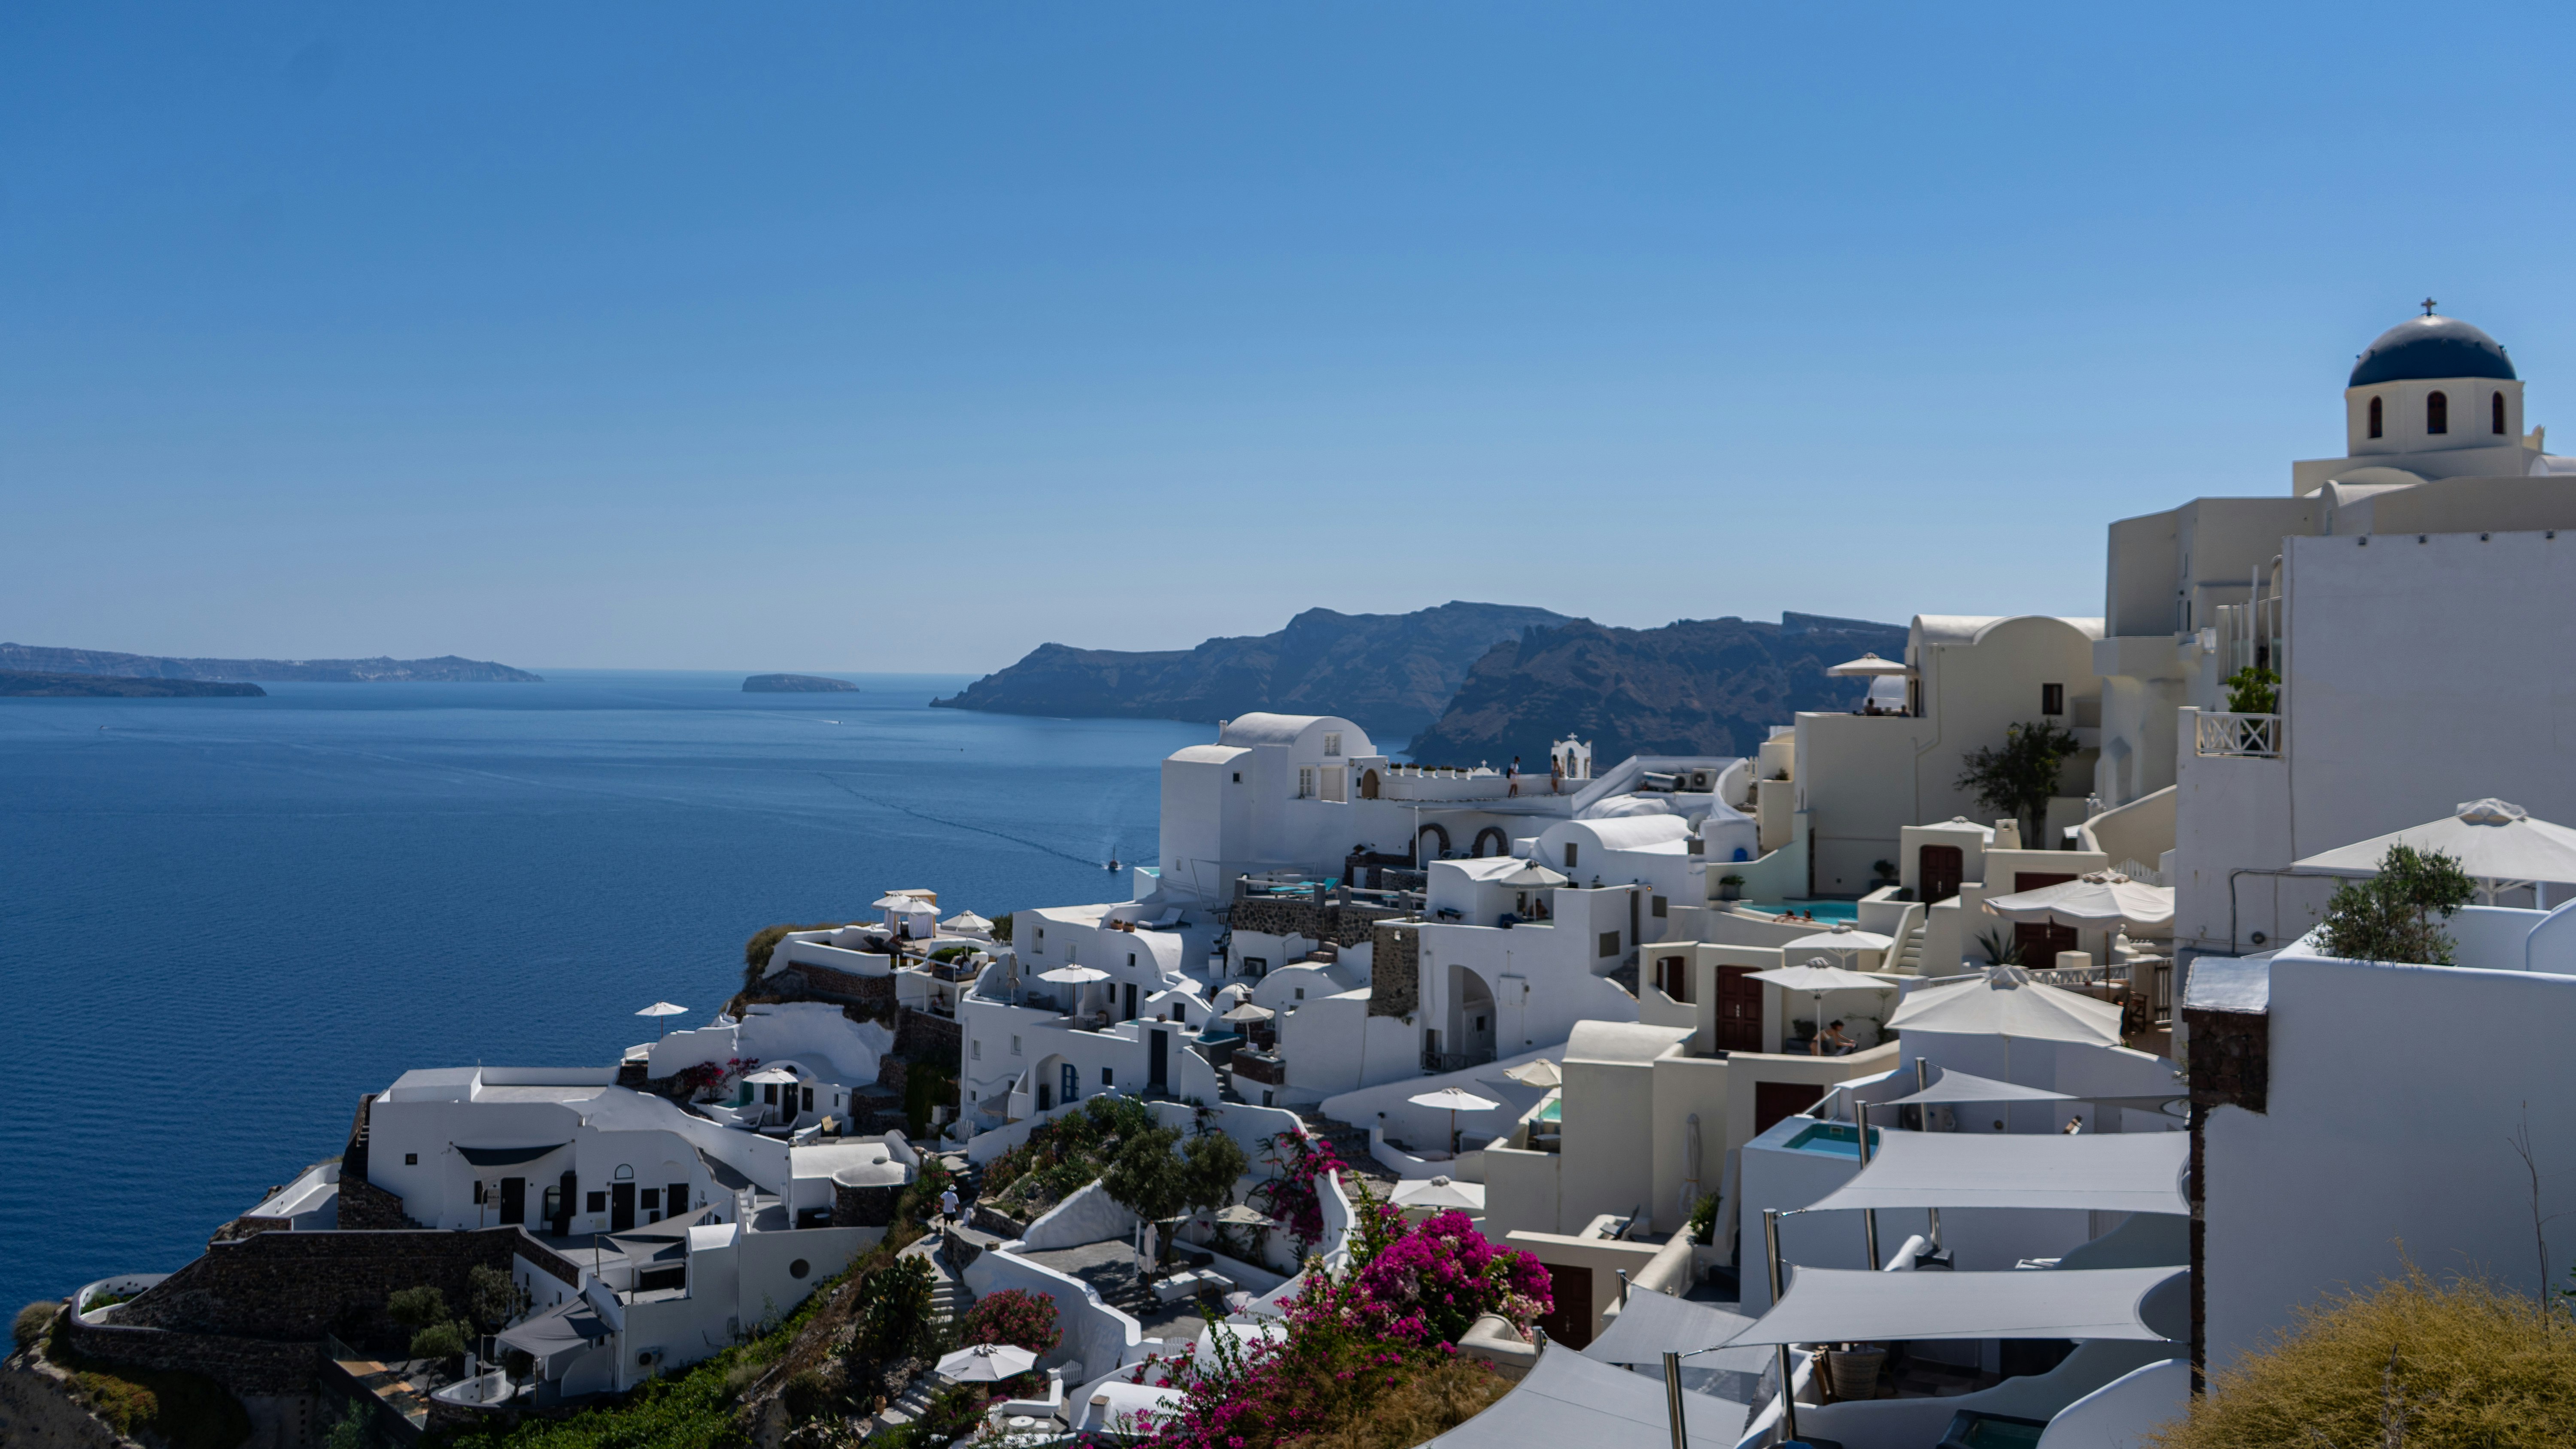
{"x": 223, "y": 920}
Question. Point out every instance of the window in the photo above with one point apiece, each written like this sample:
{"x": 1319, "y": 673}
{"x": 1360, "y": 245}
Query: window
{"x": 1335, "y": 790}
{"x": 1332, "y": 746}
{"x": 1569, "y": 855}
{"x": 1480, "y": 1023}
{"x": 2495, "y": 414}
{"x": 1041, "y": 935}
{"x": 2052, "y": 699}
{"x": 1238, "y": 777}
{"x": 2437, "y": 414}
{"x": 1609, "y": 943}
{"x": 979, "y": 1048}
{"x": 1131, "y": 958}
{"x": 1661, "y": 908}
{"x": 624, "y": 1173}
{"x": 1305, "y": 782}
{"x": 2374, "y": 417}
{"x": 1301, "y": 993}
{"x": 652, "y": 1198}
{"x": 808, "y": 1094}
{"x": 597, "y": 1202}
{"x": 411, "y": 1159}
{"x": 1104, "y": 1077}
{"x": 1015, "y": 1046}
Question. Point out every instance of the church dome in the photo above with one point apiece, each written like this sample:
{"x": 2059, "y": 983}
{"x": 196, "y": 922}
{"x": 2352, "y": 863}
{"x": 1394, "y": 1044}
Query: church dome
{"x": 2426, "y": 347}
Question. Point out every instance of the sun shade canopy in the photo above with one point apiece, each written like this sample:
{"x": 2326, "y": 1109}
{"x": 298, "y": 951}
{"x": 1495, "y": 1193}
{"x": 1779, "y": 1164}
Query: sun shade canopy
{"x": 2095, "y": 901}
{"x": 1451, "y": 1099}
{"x": 1846, "y": 1305}
{"x": 1814, "y": 979}
{"x": 569, "y": 1325}
{"x": 1869, "y": 665}
{"x": 2492, "y": 840}
{"x": 1074, "y": 975}
{"x": 2006, "y": 1002}
{"x": 1841, "y": 939}
{"x": 1960, "y": 1087}
{"x": 507, "y": 1156}
{"x": 1570, "y": 1399}
{"x": 1655, "y": 1324}
{"x": 2125, "y": 1172}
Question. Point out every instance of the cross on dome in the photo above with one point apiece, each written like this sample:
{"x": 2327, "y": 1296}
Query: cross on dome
{"x": 2427, "y": 305}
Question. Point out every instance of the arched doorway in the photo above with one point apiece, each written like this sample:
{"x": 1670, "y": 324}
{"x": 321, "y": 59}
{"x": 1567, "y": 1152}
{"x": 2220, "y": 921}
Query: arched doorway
{"x": 1492, "y": 835}
{"x": 1368, "y": 784}
{"x": 1431, "y": 843}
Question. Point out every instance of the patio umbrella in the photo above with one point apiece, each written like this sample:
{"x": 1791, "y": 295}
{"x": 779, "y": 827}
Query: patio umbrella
{"x": 1541, "y": 1073}
{"x": 1531, "y": 877}
{"x": 1238, "y": 1215}
{"x": 898, "y": 901}
{"x": 767, "y": 1076}
{"x": 1074, "y": 975}
{"x": 1843, "y": 937}
{"x": 664, "y": 1009}
{"x": 967, "y": 923}
{"x": 2095, "y": 901}
{"x": 2495, "y": 842}
{"x": 1248, "y": 1012}
{"x": 1816, "y": 978}
{"x": 1868, "y": 664}
{"x": 1440, "y": 1192}
{"x": 1455, "y": 1102}
{"x": 987, "y": 1363}
{"x": 2005, "y": 1002}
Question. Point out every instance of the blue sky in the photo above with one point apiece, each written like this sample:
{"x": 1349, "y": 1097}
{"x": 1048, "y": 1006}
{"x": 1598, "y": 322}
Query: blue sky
{"x": 908, "y": 336}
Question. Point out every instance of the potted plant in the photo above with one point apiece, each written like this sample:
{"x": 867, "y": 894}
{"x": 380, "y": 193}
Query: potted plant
{"x": 1730, "y": 887}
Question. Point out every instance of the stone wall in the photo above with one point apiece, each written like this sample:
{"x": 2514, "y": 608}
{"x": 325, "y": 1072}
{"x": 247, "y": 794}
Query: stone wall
{"x": 1395, "y": 971}
{"x": 2231, "y": 1058}
{"x": 863, "y": 1207}
{"x": 247, "y": 1367}
{"x": 822, "y": 983}
{"x": 1343, "y": 925}
{"x": 299, "y": 1286}
{"x": 920, "y": 1036}
{"x": 37, "y": 1411}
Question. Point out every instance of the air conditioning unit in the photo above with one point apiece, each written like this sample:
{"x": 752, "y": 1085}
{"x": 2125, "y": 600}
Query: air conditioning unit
{"x": 648, "y": 1358}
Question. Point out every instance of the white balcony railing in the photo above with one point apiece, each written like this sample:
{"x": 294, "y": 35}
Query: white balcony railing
{"x": 2257, "y": 735}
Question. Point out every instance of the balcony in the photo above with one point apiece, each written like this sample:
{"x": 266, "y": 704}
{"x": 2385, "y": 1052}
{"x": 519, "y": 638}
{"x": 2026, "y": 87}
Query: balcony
{"x": 1435, "y": 1061}
{"x": 2255, "y": 736}
{"x": 1258, "y": 1066}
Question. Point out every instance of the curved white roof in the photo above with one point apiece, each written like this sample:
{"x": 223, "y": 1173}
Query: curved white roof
{"x": 1283, "y": 729}
{"x": 1631, "y": 832}
{"x": 1621, "y": 1041}
{"x": 1208, "y": 754}
{"x": 1969, "y": 628}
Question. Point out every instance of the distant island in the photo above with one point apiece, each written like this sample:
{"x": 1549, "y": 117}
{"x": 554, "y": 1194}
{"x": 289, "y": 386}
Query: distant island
{"x": 16, "y": 684}
{"x": 1389, "y": 673}
{"x": 446, "y": 669}
{"x": 795, "y": 684}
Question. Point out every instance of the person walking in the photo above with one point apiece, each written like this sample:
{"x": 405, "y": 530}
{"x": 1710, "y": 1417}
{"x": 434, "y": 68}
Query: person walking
{"x": 948, "y": 1206}
{"x": 1515, "y": 775}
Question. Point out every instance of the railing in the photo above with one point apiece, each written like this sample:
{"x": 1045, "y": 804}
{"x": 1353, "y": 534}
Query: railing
{"x": 1433, "y": 1061}
{"x": 2255, "y": 735}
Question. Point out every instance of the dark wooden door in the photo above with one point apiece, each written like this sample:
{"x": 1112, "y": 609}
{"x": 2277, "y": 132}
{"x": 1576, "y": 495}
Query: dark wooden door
{"x": 1130, "y": 1014}
{"x": 1672, "y": 977}
{"x": 1939, "y": 868}
{"x": 514, "y": 1200}
{"x": 567, "y": 1197}
{"x": 1158, "y": 1057}
{"x": 1571, "y": 1287}
{"x": 1774, "y": 1102}
{"x": 2041, "y": 943}
{"x": 675, "y": 1199}
{"x": 621, "y": 1207}
{"x": 1739, "y": 1010}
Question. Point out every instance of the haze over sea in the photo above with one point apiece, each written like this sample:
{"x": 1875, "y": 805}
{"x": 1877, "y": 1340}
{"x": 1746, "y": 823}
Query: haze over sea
{"x": 222, "y": 920}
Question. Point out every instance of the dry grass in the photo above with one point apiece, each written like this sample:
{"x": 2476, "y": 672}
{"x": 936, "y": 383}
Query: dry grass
{"x": 2456, "y": 1366}
{"x": 1427, "y": 1404}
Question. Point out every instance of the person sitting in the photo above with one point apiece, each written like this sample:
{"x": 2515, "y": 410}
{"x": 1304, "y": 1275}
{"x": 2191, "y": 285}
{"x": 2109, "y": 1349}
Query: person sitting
{"x": 1832, "y": 1043}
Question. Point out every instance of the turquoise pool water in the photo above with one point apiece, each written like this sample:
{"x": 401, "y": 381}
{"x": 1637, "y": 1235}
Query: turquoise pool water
{"x": 1834, "y": 1138}
{"x": 1554, "y": 1111}
{"x": 1825, "y": 910}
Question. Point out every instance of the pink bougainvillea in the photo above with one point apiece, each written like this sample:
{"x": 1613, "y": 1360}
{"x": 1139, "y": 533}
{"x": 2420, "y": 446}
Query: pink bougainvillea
{"x": 1291, "y": 1195}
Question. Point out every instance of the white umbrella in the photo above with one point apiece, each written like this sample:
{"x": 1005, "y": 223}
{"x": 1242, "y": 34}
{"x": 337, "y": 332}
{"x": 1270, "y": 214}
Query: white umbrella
{"x": 1248, "y": 1012}
{"x": 966, "y": 923}
{"x": 1439, "y": 1192}
{"x": 1540, "y": 1073}
{"x": 2005, "y": 1002}
{"x": 987, "y": 1363}
{"x": 769, "y": 1075}
{"x": 1237, "y": 1215}
{"x": 901, "y": 902}
{"x": 1868, "y": 664}
{"x": 665, "y": 1009}
{"x": 1816, "y": 978}
{"x": 1532, "y": 876}
{"x": 1844, "y": 937}
{"x": 1455, "y": 1102}
{"x": 2095, "y": 901}
{"x": 2494, "y": 842}
{"x": 1074, "y": 975}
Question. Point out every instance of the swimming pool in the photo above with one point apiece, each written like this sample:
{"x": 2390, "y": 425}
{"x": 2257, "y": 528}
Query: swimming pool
{"x": 1825, "y": 910}
{"x": 1834, "y": 1138}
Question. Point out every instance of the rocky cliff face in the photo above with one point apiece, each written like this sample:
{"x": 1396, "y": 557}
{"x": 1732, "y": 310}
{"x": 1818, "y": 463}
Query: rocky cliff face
{"x": 1390, "y": 673}
{"x": 1700, "y": 686}
{"x": 447, "y": 668}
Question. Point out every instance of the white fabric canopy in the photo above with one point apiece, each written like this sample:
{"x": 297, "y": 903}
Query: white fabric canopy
{"x": 1961, "y": 1087}
{"x": 906, "y": 904}
{"x": 1814, "y": 979}
{"x": 1248, "y": 1012}
{"x": 1074, "y": 975}
{"x": 2006, "y": 1002}
{"x": 1655, "y": 1324}
{"x": 1866, "y": 665}
{"x": 1540, "y": 1073}
{"x": 1840, "y": 940}
{"x": 2492, "y": 840}
{"x": 1440, "y": 1192}
{"x": 987, "y": 1363}
{"x": 2095, "y": 901}
{"x": 1844, "y": 1305}
{"x": 966, "y": 921}
{"x": 662, "y": 1008}
{"x": 1451, "y": 1099}
{"x": 1530, "y": 876}
{"x": 1570, "y": 1399}
{"x": 2126, "y": 1172}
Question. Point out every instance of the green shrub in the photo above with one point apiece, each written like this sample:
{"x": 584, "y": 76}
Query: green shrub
{"x": 1703, "y": 1220}
{"x": 439, "y": 1340}
{"x": 894, "y": 1308}
{"x": 417, "y": 1308}
{"x": 493, "y": 1297}
{"x": 755, "y": 952}
{"x": 123, "y": 1403}
{"x": 808, "y": 1394}
{"x": 2253, "y": 690}
{"x": 2022, "y": 777}
{"x": 2390, "y": 917}
{"x": 33, "y": 1321}
{"x": 352, "y": 1432}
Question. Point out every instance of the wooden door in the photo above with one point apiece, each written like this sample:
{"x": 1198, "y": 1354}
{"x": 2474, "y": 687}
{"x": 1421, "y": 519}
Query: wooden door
{"x": 1571, "y": 1286}
{"x": 621, "y": 1206}
{"x": 1158, "y": 1069}
{"x": 514, "y": 1200}
{"x": 1774, "y": 1102}
{"x": 1939, "y": 868}
{"x": 2041, "y": 943}
{"x": 1739, "y": 1010}
{"x": 675, "y": 1199}
{"x": 1131, "y": 1003}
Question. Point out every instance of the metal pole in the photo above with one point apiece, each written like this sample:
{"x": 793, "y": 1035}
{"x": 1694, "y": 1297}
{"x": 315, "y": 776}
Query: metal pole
{"x": 1936, "y": 1229}
{"x": 1623, "y": 1288}
{"x": 1922, "y": 1075}
{"x": 1868, "y": 1216}
{"x": 1673, "y": 1398}
{"x": 1788, "y": 1394}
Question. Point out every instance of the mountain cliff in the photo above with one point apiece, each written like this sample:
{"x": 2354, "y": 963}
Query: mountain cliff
{"x": 446, "y": 669}
{"x": 1389, "y": 673}
{"x": 16, "y": 685}
{"x": 1697, "y": 687}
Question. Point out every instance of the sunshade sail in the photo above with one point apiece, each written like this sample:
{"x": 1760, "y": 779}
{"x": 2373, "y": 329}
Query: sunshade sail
{"x": 1238, "y": 1215}
{"x": 568, "y": 1325}
{"x": 1440, "y": 1192}
{"x": 1655, "y": 1324}
{"x": 1814, "y": 979}
{"x": 2128, "y": 1172}
{"x": 1867, "y": 665}
{"x": 1960, "y": 1087}
{"x": 506, "y": 1156}
{"x": 2006, "y": 1002}
{"x": 1846, "y": 1305}
{"x": 1570, "y": 1399}
{"x": 2095, "y": 901}
{"x": 2492, "y": 840}
{"x": 1074, "y": 975}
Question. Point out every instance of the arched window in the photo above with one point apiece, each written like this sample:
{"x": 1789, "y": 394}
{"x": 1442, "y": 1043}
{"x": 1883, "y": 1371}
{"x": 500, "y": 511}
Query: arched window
{"x": 2437, "y": 414}
{"x": 2374, "y": 417}
{"x": 2495, "y": 414}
